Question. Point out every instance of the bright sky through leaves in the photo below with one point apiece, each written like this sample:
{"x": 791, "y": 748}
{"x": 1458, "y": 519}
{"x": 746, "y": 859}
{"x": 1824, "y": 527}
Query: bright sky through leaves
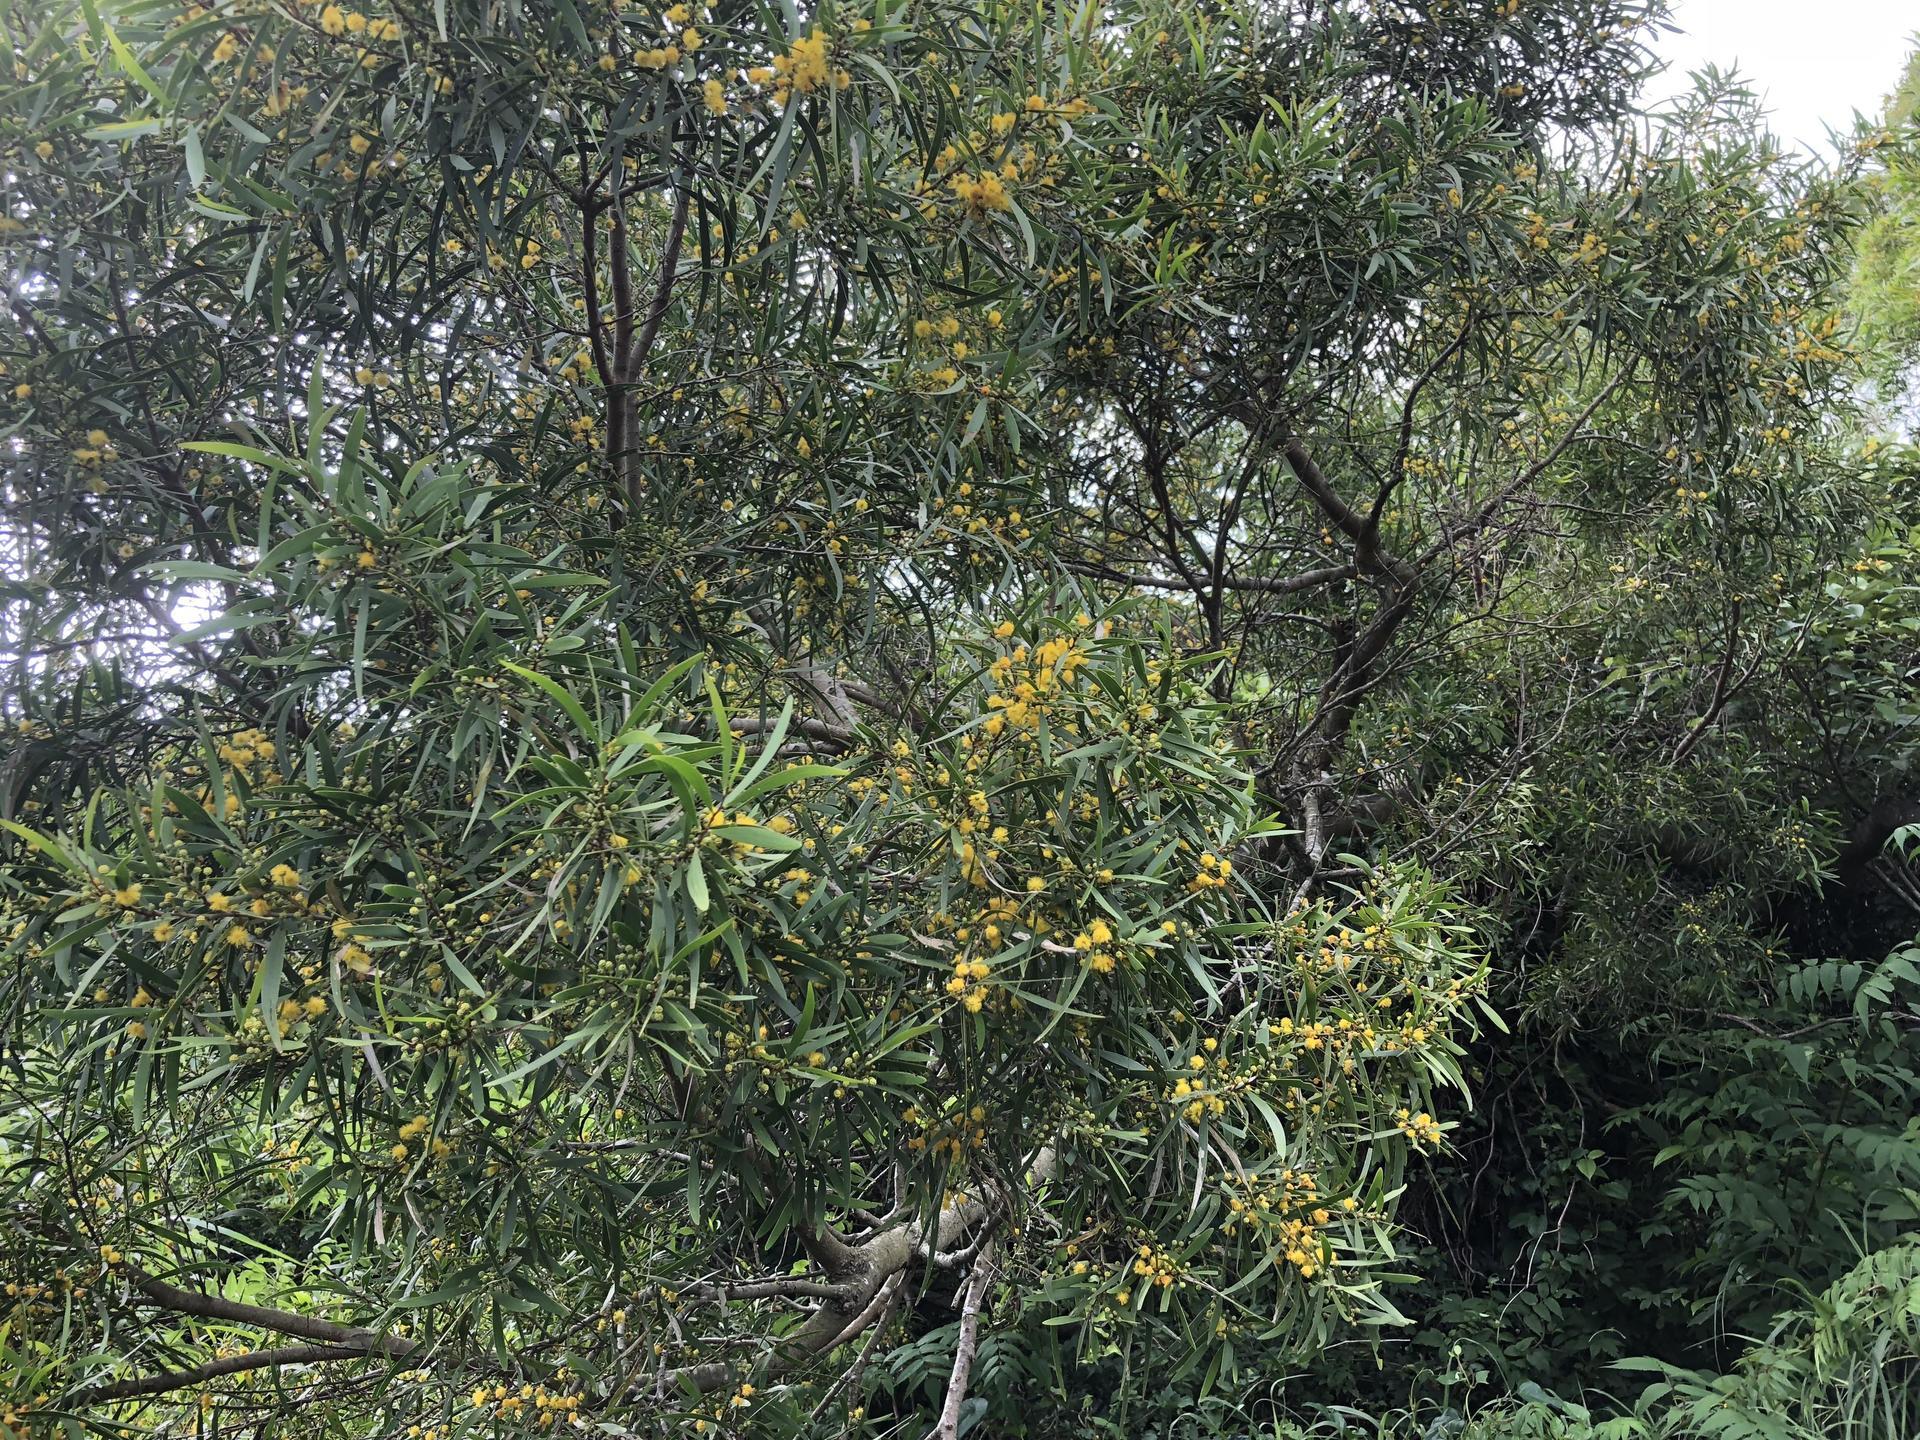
{"x": 1814, "y": 65}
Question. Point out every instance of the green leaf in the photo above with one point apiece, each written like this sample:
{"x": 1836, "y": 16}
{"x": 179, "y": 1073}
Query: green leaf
{"x": 575, "y": 711}
{"x": 129, "y": 63}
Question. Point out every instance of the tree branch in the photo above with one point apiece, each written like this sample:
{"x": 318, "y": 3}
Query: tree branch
{"x": 213, "y": 1369}
{"x": 1403, "y": 448}
{"x": 1721, "y": 689}
{"x": 773, "y": 1286}
{"x": 1488, "y": 508}
{"x": 635, "y": 348}
{"x": 1367, "y": 553}
{"x": 965, "y": 1346}
{"x": 865, "y": 1271}
{"x": 1256, "y": 584}
{"x": 283, "y": 1322}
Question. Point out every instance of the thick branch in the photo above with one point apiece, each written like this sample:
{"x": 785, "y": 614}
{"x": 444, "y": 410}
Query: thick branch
{"x": 212, "y": 1370}
{"x": 1255, "y": 584}
{"x": 282, "y": 1322}
{"x": 836, "y": 737}
{"x": 1162, "y": 496}
{"x": 963, "y": 1350}
{"x": 882, "y": 1307}
{"x": 869, "y": 1274}
{"x": 663, "y": 286}
{"x": 634, "y": 349}
{"x": 1722, "y": 690}
{"x": 772, "y": 1286}
{"x": 603, "y": 356}
{"x": 620, "y": 257}
{"x": 1367, "y": 553}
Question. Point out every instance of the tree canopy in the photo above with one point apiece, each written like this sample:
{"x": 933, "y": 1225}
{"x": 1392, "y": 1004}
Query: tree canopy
{"x": 865, "y": 718}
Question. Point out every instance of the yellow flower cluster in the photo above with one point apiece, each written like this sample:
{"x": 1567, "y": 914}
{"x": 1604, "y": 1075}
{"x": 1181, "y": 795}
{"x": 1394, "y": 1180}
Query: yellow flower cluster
{"x": 336, "y": 22}
{"x": 981, "y": 194}
{"x": 544, "y": 1407}
{"x": 965, "y": 983}
{"x": 1156, "y": 1267}
{"x": 1213, "y": 874}
{"x": 716, "y": 817}
{"x": 802, "y": 70}
{"x": 247, "y": 749}
{"x": 1093, "y": 943}
{"x": 354, "y": 957}
{"x": 947, "y": 1136}
{"x": 1029, "y": 677}
{"x": 1422, "y": 1129}
{"x": 98, "y": 451}
{"x": 1291, "y": 1216}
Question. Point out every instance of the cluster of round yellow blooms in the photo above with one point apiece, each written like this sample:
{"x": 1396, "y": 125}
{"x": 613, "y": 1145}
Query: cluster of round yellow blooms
{"x": 804, "y": 68}
{"x": 1370, "y": 965}
{"x": 967, "y": 515}
{"x": 411, "y": 1132}
{"x": 293, "y": 1012}
{"x": 31, "y": 1301}
{"x": 717, "y": 819}
{"x": 288, "y": 1156}
{"x": 1194, "y": 1094}
{"x": 543, "y": 1407}
{"x": 967, "y": 975}
{"x": 1213, "y": 874}
{"x": 355, "y": 958}
{"x": 948, "y": 1136}
{"x": 248, "y": 748}
{"x": 718, "y": 1410}
{"x": 657, "y": 57}
{"x": 1093, "y": 944}
{"x": 981, "y": 194}
{"x": 227, "y": 49}
{"x": 989, "y": 927}
{"x": 1155, "y": 1267}
{"x": 611, "y": 1321}
{"x": 15, "y": 1414}
{"x": 1590, "y": 252}
{"x": 1029, "y": 678}
{"x": 1291, "y": 1214}
{"x": 946, "y": 328}
{"x": 1813, "y": 344}
{"x": 1421, "y": 1128}
{"x": 33, "y": 1293}
{"x": 336, "y": 22}
{"x": 575, "y": 369}
{"x": 979, "y": 170}
{"x": 90, "y": 457}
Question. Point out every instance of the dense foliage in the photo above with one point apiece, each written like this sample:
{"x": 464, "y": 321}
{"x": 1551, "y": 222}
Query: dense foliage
{"x": 936, "y": 716}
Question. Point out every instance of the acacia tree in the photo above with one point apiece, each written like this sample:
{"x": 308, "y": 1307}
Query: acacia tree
{"x": 721, "y": 714}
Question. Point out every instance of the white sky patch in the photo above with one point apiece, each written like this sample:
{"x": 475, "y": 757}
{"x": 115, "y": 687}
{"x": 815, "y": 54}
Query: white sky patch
{"x": 1813, "y": 64}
